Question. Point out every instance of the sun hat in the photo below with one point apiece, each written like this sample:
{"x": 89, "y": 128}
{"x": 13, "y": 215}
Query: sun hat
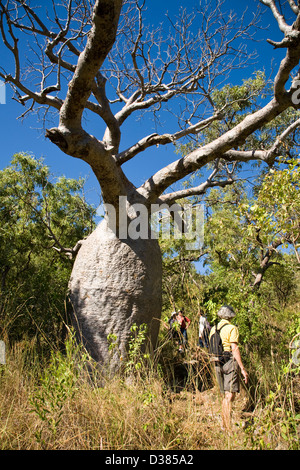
{"x": 226, "y": 312}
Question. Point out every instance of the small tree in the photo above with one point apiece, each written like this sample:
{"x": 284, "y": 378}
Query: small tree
{"x": 116, "y": 68}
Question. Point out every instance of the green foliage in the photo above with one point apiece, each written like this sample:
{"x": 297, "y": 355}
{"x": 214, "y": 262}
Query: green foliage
{"x": 39, "y": 217}
{"x": 237, "y": 101}
{"x": 276, "y": 210}
{"x": 278, "y": 421}
{"x": 240, "y": 228}
{"x": 58, "y": 384}
{"x": 136, "y": 357}
{"x": 180, "y": 279}
{"x": 112, "y": 342}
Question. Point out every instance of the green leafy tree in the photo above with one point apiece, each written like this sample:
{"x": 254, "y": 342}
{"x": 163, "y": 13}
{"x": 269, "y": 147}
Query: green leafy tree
{"x": 41, "y": 221}
{"x": 277, "y": 209}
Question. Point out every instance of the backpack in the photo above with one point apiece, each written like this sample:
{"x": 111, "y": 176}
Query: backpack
{"x": 216, "y": 346}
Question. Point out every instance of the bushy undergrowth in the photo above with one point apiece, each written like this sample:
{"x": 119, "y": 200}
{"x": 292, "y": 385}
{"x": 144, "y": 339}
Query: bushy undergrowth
{"x": 63, "y": 402}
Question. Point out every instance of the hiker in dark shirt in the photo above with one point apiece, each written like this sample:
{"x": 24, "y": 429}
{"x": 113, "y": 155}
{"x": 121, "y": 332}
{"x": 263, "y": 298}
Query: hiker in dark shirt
{"x": 174, "y": 327}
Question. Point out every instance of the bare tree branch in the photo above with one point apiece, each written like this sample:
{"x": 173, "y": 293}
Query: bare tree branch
{"x": 283, "y": 26}
{"x": 199, "y": 190}
{"x": 100, "y": 41}
{"x": 155, "y": 185}
{"x": 195, "y": 191}
{"x": 265, "y": 256}
{"x": 198, "y": 158}
{"x": 189, "y": 65}
{"x": 155, "y": 139}
{"x": 294, "y": 7}
{"x": 149, "y": 69}
{"x": 268, "y": 155}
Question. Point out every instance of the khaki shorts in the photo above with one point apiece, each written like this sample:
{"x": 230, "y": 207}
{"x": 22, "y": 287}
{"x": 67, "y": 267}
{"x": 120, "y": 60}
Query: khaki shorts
{"x": 228, "y": 377}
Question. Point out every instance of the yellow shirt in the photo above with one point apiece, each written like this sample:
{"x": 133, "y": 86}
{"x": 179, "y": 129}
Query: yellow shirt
{"x": 229, "y": 334}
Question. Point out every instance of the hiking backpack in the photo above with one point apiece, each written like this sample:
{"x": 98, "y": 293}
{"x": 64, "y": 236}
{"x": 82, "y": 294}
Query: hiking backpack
{"x": 216, "y": 346}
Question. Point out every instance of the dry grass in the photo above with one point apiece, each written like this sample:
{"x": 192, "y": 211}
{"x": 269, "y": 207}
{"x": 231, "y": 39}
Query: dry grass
{"x": 138, "y": 412}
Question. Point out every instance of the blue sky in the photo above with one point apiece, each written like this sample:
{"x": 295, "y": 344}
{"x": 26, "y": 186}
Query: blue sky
{"x": 25, "y": 136}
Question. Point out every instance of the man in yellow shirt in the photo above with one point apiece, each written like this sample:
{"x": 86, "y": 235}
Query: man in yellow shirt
{"x": 227, "y": 373}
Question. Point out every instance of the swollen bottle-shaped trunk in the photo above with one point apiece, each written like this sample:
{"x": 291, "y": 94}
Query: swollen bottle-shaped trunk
{"x": 115, "y": 284}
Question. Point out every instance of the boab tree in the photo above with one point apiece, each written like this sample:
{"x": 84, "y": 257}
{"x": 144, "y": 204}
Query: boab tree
{"x": 80, "y": 53}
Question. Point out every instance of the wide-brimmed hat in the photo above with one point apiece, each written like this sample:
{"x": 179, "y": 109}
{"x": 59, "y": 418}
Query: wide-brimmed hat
{"x": 226, "y": 312}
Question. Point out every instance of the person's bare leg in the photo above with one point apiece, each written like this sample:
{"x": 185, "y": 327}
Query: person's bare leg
{"x": 226, "y": 409}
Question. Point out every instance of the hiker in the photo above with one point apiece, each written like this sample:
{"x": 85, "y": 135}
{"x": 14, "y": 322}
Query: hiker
{"x": 204, "y": 329}
{"x": 174, "y": 326}
{"x": 184, "y": 323}
{"x": 227, "y": 369}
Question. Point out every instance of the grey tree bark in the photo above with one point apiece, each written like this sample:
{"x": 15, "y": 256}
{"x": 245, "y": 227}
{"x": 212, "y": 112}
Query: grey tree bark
{"x": 117, "y": 282}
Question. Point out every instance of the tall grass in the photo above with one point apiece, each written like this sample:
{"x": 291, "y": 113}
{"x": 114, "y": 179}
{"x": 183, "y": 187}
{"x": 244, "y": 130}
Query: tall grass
{"x": 62, "y": 402}
{"x": 275, "y": 422}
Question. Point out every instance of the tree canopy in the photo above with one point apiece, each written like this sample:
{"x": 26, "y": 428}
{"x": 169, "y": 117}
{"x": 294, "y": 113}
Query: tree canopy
{"x": 103, "y": 57}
